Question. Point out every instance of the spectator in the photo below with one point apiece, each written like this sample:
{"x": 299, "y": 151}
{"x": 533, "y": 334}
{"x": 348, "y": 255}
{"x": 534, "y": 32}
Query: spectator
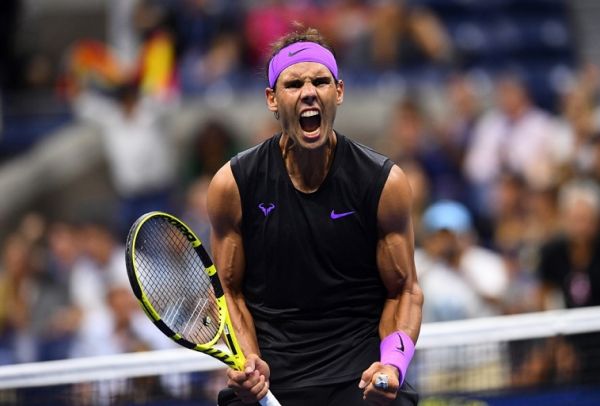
{"x": 419, "y": 185}
{"x": 570, "y": 262}
{"x": 514, "y": 136}
{"x": 119, "y": 325}
{"x": 213, "y": 145}
{"x": 63, "y": 251}
{"x": 522, "y": 220}
{"x": 269, "y": 20}
{"x": 508, "y": 213}
{"x": 28, "y": 295}
{"x": 580, "y": 129}
{"x": 16, "y": 296}
{"x": 407, "y": 134}
{"x": 569, "y": 270}
{"x": 463, "y": 108}
{"x": 405, "y": 36}
{"x": 100, "y": 268}
{"x": 140, "y": 154}
{"x": 194, "y": 211}
{"x": 347, "y": 23}
{"x": 209, "y": 40}
{"x": 412, "y": 139}
{"x": 460, "y": 279}
{"x": 121, "y": 32}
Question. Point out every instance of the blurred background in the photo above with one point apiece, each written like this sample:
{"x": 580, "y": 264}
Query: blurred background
{"x": 111, "y": 108}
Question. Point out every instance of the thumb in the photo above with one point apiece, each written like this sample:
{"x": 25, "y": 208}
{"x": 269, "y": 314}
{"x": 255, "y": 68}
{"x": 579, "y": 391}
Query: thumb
{"x": 250, "y": 365}
{"x": 367, "y": 375}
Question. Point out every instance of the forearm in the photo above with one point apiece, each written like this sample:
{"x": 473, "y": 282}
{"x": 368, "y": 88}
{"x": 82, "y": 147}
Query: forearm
{"x": 399, "y": 329}
{"x": 243, "y": 323}
{"x": 403, "y": 313}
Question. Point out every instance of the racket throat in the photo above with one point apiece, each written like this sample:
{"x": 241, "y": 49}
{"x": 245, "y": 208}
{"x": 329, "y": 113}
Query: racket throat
{"x": 230, "y": 342}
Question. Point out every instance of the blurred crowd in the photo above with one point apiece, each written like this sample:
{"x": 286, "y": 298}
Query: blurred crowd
{"x": 506, "y": 194}
{"x": 201, "y": 44}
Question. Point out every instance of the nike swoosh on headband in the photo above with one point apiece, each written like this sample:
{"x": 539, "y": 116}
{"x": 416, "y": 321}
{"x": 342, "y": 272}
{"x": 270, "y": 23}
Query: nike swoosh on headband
{"x": 290, "y": 54}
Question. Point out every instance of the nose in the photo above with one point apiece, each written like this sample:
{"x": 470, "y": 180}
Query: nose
{"x": 309, "y": 93}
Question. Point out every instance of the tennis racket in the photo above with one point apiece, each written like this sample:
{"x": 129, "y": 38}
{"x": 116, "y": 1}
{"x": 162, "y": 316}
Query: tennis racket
{"x": 177, "y": 285}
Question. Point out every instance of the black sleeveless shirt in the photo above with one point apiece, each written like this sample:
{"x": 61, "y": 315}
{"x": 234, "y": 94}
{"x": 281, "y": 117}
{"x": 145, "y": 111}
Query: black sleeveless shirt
{"x": 311, "y": 281}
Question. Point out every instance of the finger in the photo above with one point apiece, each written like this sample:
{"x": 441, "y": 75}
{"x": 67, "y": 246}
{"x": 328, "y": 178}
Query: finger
{"x": 250, "y": 365}
{"x": 252, "y": 380}
{"x": 258, "y": 388}
{"x": 381, "y": 381}
{"x": 252, "y": 394}
{"x": 264, "y": 391}
{"x": 367, "y": 375}
{"x": 375, "y": 396}
{"x": 236, "y": 377}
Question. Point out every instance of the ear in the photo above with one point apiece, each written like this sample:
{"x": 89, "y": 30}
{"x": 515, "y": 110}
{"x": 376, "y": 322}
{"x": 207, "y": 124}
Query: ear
{"x": 340, "y": 92}
{"x": 271, "y": 99}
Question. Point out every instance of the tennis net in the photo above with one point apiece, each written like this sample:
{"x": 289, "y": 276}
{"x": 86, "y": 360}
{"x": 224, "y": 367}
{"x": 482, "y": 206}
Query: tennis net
{"x": 520, "y": 359}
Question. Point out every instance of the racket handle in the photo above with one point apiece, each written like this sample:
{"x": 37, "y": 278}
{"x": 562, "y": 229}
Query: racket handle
{"x": 269, "y": 400}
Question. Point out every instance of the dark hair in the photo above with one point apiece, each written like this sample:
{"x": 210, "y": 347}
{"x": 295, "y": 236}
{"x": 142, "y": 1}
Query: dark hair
{"x": 300, "y": 34}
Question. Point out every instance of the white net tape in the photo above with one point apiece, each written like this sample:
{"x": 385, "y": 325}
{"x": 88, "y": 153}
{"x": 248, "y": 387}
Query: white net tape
{"x": 434, "y": 336}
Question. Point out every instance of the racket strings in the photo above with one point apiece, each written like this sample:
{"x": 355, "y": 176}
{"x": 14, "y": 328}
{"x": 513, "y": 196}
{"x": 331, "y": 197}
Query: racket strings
{"x": 175, "y": 282}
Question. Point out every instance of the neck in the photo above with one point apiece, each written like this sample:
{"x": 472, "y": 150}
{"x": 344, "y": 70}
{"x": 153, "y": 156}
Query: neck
{"x": 307, "y": 168}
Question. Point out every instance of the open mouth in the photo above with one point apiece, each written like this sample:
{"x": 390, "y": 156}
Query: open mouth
{"x": 310, "y": 121}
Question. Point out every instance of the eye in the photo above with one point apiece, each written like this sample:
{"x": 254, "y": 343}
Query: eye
{"x": 293, "y": 84}
{"x": 321, "y": 81}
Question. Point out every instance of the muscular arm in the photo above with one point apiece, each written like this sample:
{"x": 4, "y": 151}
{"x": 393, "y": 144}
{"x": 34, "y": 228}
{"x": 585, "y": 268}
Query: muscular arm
{"x": 225, "y": 212}
{"x": 395, "y": 259}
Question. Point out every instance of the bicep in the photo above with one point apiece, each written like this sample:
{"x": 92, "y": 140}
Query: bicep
{"x": 224, "y": 210}
{"x": 395, "y": 259}
{"x": 395, "y": 246}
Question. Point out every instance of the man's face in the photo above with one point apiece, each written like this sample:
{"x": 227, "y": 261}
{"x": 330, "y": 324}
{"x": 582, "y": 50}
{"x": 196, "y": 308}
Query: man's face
{"x": 306, "y": 98}
{"x": 443, "y": 244}
{"x": 580, "y": 221}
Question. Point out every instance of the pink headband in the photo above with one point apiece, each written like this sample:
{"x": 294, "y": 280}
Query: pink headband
{"x": 300, "y": 52}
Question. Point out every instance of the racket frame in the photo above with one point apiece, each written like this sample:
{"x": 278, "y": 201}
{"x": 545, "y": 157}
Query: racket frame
{"x": 235, "y": 359}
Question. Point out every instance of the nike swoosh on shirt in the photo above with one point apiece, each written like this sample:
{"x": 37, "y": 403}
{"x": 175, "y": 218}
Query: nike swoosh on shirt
{"x": 290, "y": 54}
{"x": 335, "y": 215}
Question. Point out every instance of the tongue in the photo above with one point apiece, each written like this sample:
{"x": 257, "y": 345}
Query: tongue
{"x": 310, "y": 124}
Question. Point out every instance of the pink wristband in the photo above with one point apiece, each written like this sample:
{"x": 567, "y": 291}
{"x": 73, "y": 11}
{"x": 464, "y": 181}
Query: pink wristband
{"x": 397, "y": 349}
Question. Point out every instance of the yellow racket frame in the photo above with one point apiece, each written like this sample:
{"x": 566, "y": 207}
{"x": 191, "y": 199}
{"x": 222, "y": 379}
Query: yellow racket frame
{"x": 236, "y": 358}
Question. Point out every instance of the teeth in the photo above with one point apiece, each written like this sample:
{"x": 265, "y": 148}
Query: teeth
{"x": 309, "y": 113}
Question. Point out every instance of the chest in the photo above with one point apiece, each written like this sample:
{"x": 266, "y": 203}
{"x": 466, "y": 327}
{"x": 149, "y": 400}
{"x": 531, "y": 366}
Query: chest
{"x": 336, "y": 217}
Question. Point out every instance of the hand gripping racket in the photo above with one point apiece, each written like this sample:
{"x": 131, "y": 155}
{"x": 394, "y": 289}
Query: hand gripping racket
{"x": 177, "y": 285}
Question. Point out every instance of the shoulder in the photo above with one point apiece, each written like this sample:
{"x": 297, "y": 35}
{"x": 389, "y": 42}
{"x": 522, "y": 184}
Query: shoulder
{"x": 554, "y": 249}
{"x": 479, "y": 255}
{"x": 553, "y": 261}
{"x": 362, "y": 151}
{"x": 396, "y": 201}
{"x": 223, "y": 199}
{"x": 254, "y": 152}
{"x": 247, "y": 163}
{"x": 494, "y": 281}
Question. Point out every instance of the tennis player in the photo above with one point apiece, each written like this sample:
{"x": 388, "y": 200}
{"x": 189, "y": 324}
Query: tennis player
{"x": 313, "y": 240}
